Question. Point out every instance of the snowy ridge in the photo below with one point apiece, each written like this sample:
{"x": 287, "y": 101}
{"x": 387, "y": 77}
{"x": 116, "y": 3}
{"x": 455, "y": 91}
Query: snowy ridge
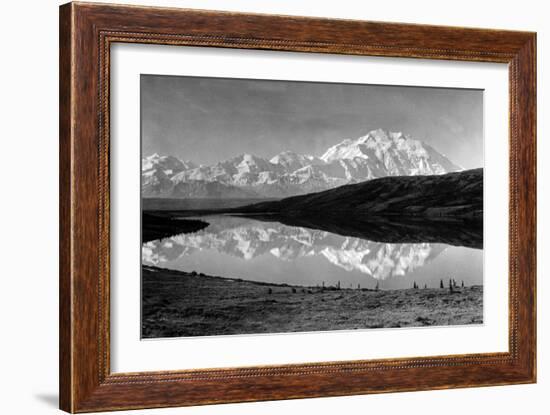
{"x": 377, "y": 154}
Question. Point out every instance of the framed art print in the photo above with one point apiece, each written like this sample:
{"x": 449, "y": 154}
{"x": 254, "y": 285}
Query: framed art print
{"x": 261, "y": 207}
{"x": 361, "y": 234}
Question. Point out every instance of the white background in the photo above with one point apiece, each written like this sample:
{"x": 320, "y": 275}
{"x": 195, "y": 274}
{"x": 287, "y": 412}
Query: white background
{"x": 28, "y": 301}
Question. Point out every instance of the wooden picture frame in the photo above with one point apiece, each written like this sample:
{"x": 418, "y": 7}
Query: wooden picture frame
{"x": 86, "y": 33}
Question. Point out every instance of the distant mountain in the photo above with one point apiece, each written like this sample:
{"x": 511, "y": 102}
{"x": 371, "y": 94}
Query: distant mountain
{"x": 391, "y": 154}
{"x": 157, "y": 171}
{"x": 377, "y": 154}
{"x": 168, "y": 164}
{"x": 291, "y": 161}
{"x": 201, "y": 189}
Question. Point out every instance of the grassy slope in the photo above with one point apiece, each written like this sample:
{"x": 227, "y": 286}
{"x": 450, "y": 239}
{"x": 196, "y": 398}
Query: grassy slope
{"x": 454, "y": 194}
{"x": 186, "y": 304}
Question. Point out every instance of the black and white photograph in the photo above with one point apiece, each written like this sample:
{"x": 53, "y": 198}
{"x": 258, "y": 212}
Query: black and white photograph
{"x": 275, "y": 206}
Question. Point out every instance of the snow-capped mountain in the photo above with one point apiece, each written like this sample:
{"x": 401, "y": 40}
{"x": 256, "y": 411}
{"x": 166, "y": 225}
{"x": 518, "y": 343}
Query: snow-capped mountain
{"x": 377, "y": 154}
{"x": 168, "y": 164}
{"x": 157, "y": 171}
{"x": 391, "y": 154}
{"x": 291, "y": 161}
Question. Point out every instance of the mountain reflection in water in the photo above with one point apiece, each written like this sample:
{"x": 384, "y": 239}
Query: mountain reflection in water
{"x": 270, "y": 251}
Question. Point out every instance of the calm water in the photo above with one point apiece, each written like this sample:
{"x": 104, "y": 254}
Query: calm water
{"x": 272, "y": 252}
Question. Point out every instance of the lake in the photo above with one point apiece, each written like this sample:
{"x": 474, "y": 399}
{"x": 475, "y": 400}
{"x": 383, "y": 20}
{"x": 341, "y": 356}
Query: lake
{"x": 272, "y": 252}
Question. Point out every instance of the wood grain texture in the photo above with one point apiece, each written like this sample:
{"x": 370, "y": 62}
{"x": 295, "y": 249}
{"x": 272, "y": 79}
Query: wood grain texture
{"x": 65, "y": 247}
{"x": 86, "y": 33}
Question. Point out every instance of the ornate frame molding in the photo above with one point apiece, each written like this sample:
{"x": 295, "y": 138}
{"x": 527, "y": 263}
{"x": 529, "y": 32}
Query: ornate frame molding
{"x": 86, "y": 34}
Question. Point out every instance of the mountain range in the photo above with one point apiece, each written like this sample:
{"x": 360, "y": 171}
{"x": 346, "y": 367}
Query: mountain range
{"x": 377, "y": 154}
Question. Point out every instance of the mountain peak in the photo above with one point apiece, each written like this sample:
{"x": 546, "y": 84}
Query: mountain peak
{"x": 245, "y": 157}
{"x": 383, "y": 136}
{"x": 379, "y": 133}
{"x": 291, "y": 161}
{"x": 284, "y": 155}
{"x": 393, "y": 153}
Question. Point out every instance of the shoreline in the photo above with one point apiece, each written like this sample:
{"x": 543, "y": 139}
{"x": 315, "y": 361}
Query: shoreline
{"x": 156, "y": 269}
{"x": 181, "y": 304}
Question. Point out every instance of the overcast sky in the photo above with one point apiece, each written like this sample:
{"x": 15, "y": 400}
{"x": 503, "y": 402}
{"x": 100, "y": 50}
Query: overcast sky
{"x": 211, "y": 119}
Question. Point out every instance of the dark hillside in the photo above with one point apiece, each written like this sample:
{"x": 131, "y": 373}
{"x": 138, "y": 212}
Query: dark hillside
{"x": 457, "y": 194}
